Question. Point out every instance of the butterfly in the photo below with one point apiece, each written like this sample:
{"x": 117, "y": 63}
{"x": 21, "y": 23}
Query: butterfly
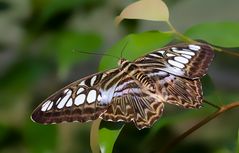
{"x": 135, "y": 91}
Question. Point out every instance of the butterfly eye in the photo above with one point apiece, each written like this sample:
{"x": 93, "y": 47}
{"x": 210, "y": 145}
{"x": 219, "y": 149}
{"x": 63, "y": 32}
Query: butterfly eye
{"x": 122, "y": 61}
{"x": 132, "y": 67}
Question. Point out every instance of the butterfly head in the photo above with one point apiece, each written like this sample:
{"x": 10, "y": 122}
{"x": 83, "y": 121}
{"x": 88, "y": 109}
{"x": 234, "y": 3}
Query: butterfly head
{"x": 122, "y": 61}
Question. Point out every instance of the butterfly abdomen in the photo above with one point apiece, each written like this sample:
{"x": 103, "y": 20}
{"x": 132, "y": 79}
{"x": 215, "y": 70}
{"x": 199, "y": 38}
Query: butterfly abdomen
{"x": 134, "y": 71}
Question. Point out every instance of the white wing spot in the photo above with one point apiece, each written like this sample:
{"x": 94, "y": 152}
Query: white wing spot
{"x": 92, "y": 80}
{"x": 159, "y": 73}
{"x": 123, "y": 85}
{"x": 80, "y": 90}
{"x": 66, "y": 90}
{"x": 161, "y": 52}
{"x": 181, "y": 59}
{"x": 99, "y": 98}
{"x": 126, "y": 91}
{"x": 170, "y": 55}
{"x": 64, "y": 100}
{"x": 69, "y": 103}
{"x": 109, "y": 119}
{"x": 169, "y": 78}
{"x": 82, "y": 83}
{"x": 175, "y": 63}
{"x": 187, "y": 56}
{"x": 45, "y": 105}
{"x": 154, "y": 55}
{"x": 107, "y": 95}
{"x": 188, "y": 52}
{"x": 57, "y": 102}
{"x": 79, "y": 99}
{"x": 50, "y": 106}
{"x": 103, "y": 76}
{"x": 91, "y": 97}
{"x": 194, "y": 47}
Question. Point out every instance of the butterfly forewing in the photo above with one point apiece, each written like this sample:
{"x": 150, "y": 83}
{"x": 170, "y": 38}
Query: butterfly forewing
{"x": 79, "y": 101}
{"x": 184, "y": 60}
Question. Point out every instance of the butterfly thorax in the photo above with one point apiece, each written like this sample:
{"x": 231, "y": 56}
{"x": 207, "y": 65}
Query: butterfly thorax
{"x": 133, "y": 71}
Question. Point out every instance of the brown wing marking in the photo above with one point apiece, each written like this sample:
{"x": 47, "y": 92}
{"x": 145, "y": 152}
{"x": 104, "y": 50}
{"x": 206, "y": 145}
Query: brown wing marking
{"x": 180, "y": 91}
{"x": 133, "y": 105}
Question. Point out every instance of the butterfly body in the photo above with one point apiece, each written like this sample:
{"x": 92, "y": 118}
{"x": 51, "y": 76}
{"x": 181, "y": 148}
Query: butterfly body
{"x": 136, "y": 91}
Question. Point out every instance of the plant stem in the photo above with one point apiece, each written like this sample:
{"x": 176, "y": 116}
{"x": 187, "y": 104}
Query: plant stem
{"x": 211, "y": 104}
{"x": 222, "y": 109}
{"x": 184, "y": 38}
{"x": 180, "y": 35}
{"x": 94, "y": 142}
{"x": 226, "y": 51}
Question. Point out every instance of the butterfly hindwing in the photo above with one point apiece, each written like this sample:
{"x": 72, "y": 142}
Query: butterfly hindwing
{"x": 132, "y": 103}
{"x": 178, "y": 90}
{"x": 184, "y": 92}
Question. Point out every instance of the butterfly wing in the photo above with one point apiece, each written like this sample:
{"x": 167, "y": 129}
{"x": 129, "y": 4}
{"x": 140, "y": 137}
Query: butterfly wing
{"x": 185, "y": 60}
{"x": 184, "y": 92}
{"x": 82, "y": 101}
{"x": 178, "y": 90}
{"x": 132, "y": 103}
{"x": 176, "y": 70}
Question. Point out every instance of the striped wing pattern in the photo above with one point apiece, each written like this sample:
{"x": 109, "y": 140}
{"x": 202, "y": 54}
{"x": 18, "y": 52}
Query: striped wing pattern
{"x": 131, "y": 103}
{"x": 136, "y": 91}
{"x": 179, "y": 91}
{"x": 79, "y": 101}
{"x": 189, "y": 61}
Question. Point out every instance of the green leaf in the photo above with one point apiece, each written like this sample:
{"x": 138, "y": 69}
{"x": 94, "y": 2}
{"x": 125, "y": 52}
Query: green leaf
{"x": 224, "y": 34}
{"x": 40, "y": 138}
{"x": 207, "y": 85}
{"x": 154, "y": 10}
{"x": 135, "y": 45}
{"x": 209, "y": 91}
{"x": 108, "y": 134}
{"x": 68, "y": 45}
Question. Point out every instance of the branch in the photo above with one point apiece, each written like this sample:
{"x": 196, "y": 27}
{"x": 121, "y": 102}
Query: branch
{"x": 226, "y": 51}
{"x": 179, "y": 35}
{"x": 184, "y": 38}
{"x": 174, "y": 142}
{"x": 94, "y": 142}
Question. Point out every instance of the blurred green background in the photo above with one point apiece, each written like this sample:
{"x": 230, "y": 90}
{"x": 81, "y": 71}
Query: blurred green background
{"x": 40, "y": 44}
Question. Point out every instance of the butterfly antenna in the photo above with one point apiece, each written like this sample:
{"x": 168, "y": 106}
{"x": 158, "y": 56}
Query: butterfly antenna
{"x": 121, "y": 54}
{"x": 94, "y": 53}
